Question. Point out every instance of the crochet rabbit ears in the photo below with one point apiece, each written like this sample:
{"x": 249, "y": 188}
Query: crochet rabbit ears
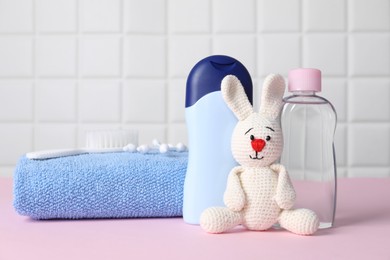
{"x": 271, "y": 99}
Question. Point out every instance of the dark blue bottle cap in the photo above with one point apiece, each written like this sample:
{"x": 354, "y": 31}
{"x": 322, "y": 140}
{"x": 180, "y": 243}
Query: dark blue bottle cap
{"x": 206, "y": 77}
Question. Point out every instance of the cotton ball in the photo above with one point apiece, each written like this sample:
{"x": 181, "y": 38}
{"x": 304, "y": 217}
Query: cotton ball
{"x": 180, "y": 147}
{"x": 130, "y": 148}
{"x": 143, "y": 148}
{"x": 155, "y": 142}
{"x": 164, "y": 148}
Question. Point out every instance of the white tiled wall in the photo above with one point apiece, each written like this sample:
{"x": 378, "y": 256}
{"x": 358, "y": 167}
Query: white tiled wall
{"x": 68, "y": 66}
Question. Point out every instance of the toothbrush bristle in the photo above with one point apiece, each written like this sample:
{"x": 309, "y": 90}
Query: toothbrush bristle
{"x": 111, "y": 139}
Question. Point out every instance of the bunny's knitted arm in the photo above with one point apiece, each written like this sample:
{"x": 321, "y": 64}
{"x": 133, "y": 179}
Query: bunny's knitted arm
{"x": 234, "y": 197}
{"x": 285, "y": 193}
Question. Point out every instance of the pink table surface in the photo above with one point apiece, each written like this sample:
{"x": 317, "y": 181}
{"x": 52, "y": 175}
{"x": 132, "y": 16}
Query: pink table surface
{"x": 362, "y": 231}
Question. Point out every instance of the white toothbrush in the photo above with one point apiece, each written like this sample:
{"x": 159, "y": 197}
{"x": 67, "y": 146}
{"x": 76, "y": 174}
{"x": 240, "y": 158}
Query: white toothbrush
{"x": 97, "y": 142}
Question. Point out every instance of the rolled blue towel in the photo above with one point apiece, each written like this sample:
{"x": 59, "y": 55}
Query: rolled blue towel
{"x": 110, "y": 185}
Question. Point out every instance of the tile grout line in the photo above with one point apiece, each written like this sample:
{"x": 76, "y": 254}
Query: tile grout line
{"x": 256, "y": 41}
{"x": 347, "y": 90}
{"x": 167, "y": 81}
{"x": 78, "y": 66}
{"x": 35, "y": 78}
{"x": 301, "y": 34}
{"x": 211, "y": 32}
{"x": 122, "y": 61}
{"x": 223, "y": 33}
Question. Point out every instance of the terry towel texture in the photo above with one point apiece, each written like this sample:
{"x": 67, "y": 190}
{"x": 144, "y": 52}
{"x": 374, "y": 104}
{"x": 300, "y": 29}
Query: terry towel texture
{"x": 111, "y": 185}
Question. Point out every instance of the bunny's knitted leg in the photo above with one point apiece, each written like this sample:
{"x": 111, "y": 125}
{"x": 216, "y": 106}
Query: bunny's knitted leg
{"x": 299, "y": 221}
{"x": 219, "y": 219}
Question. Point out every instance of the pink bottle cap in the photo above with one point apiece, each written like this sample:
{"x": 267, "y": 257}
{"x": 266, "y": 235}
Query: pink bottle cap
{"x": 304, "y": 80}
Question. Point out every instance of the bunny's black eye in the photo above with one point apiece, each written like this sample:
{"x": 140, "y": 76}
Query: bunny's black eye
{"x": 252, "y": 137}
{"x": 268, "y": 138}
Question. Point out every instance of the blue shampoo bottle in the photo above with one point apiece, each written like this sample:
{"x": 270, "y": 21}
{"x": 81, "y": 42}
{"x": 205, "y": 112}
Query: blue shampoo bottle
{"x": 210, "y": 125}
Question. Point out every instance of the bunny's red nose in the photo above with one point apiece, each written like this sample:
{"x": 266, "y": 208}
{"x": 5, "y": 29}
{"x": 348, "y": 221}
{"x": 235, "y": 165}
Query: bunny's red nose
{"x": 258, "y": 144}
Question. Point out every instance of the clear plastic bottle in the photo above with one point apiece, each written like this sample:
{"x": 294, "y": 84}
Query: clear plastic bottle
{"x": 308, "y": 124}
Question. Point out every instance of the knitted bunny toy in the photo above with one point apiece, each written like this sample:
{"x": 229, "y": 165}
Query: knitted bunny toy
{"x": 259, "y": 193}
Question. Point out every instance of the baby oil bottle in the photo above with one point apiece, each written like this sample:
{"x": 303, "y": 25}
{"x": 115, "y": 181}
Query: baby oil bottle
{"x": 308, "y": 124}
